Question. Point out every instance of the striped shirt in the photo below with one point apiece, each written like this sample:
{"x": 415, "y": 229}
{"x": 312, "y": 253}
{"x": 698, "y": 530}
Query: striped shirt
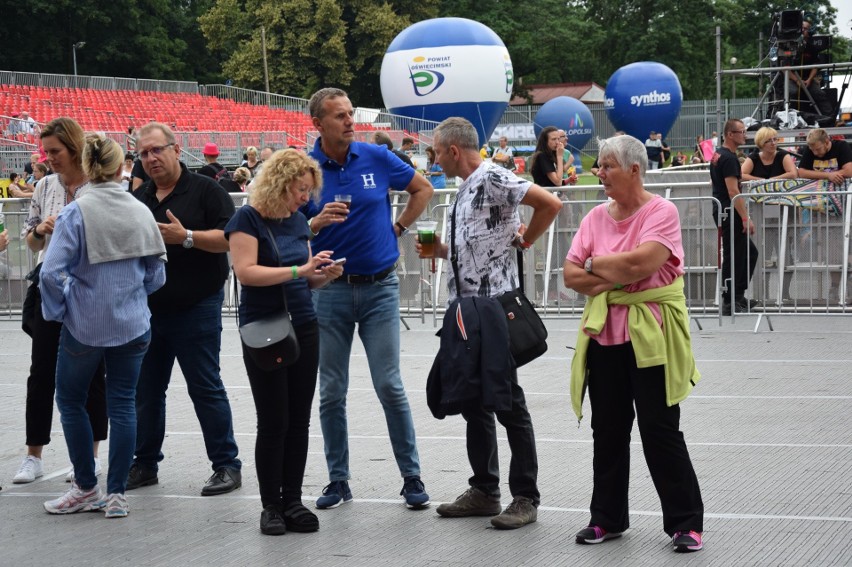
{"x": 102, "y": 305}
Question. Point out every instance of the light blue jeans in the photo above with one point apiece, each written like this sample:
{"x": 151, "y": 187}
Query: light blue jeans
{"x": 375, "y": 309}
{"x": 74, "y": 370}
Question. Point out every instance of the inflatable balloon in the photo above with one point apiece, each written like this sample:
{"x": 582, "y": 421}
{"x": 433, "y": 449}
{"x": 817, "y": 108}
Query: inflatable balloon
{"x": 446, "y": 67}
{"x": 569, "y": 114}
{"x": 643, "y": 96}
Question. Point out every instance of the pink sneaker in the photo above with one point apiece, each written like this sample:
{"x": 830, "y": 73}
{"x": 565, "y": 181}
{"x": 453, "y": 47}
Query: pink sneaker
{"x": 76, "y": 500}
{"x": 684, "y": 542}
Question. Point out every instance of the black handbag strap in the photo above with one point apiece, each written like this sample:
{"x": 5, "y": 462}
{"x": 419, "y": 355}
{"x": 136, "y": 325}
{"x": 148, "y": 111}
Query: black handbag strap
{"x": 278, "y": 257}
{"x": 454, "y": 258}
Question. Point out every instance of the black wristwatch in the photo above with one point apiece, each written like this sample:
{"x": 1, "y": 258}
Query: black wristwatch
{"x": 402, "y": 229}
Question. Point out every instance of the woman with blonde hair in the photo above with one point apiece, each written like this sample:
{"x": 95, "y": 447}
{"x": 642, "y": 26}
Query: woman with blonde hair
{"x": 251, "y": 162}
{"x": 63, "y": 140}
{"x": 96, "y": 279}
{"x": 767, "y": 161}
{"x": 270, "y": 248}
{"x": 242, "y": 176}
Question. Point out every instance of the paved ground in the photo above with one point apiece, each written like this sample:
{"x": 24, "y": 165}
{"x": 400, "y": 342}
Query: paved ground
{"x": 768, "y": 430}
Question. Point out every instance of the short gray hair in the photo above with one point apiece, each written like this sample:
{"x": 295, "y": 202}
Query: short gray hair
{"x": 457, "y": 132}
{"x": 150, "y": 126}
{"x": 625, "y": 150}
{"x": 318, "y": 99}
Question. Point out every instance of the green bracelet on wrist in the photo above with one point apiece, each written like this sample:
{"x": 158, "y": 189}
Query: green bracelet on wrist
{"x": 295, "y": 271}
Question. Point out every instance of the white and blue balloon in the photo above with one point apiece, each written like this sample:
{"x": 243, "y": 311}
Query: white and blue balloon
{"x": 446, "y": 67}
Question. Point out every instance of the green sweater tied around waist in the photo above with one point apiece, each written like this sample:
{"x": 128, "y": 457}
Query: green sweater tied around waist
{"x": 669, "y": 345}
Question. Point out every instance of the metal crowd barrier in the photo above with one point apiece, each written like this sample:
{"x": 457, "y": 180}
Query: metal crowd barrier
{"x": 803, "y": 265}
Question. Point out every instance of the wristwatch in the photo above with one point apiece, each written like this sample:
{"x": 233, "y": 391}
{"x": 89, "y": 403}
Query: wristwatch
{"x": 588, "y": 264}
{"x": 187, "y": 243}
{"x": 402, "y": 229}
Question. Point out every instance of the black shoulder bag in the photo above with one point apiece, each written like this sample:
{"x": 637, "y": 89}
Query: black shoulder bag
{"x": 271, "y": 342}
{"x": 527, "y": 333}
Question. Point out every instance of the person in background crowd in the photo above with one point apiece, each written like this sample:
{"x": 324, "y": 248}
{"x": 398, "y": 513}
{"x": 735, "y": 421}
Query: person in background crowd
{"x": 242, "y": 177}
{"x": 18, "y": 188}
{"x": 830, "y": 160}
{"x": 382, "y": 139}
{"x": 186, "y": 313}
{"x": 626, "y": 249}
{"x": 95, "y": 280}
{"x": 678, "y": 160}
{"x": 654, "y": 149}
{"x": 282, "y": 397}
{"x": 434, "y": 171}
{"x": 63, "y": 141}
{"x": 211, "y": 156}
{"x": 251, "y": 161}
{"x": 546, "y": 162}
{"x": 503, "y": 154}
{"x": 130, "y": 140}
{"x": 726, "y": 175}
{"x": 367, "y": 295}
{"x": 698, "y": 152}
{"x": 127, "y": 171}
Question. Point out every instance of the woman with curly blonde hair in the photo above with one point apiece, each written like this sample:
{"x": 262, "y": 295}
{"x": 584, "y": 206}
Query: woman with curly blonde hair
{"x": 268, "y": 228}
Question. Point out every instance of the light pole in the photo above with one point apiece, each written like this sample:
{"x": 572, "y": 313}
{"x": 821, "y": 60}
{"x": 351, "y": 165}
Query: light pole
{"x": 74, "y": 48}
{"x": 733, "y": 80}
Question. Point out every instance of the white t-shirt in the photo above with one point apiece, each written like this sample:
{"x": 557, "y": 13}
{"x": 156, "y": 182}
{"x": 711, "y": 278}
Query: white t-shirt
{"x": 487, "y": 220}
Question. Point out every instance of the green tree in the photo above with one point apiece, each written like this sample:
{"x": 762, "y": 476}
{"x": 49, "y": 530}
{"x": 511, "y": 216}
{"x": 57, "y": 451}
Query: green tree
{"x": 310, "y": 43}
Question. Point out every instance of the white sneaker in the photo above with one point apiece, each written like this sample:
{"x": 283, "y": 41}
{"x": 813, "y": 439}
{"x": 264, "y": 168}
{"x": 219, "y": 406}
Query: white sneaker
{"x": 70, "y": 476}
{"x": 116, "y": 506}
{"x": 77, "y": 500}
{"x": 30, "y": 470}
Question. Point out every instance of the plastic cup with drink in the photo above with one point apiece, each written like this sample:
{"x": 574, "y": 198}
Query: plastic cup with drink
{"x": 345, "y": 199}
{"x": 426, "y": 236}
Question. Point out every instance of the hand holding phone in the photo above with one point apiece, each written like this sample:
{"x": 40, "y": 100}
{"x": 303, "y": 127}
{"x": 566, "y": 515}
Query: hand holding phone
{"x": 338, "y": 261}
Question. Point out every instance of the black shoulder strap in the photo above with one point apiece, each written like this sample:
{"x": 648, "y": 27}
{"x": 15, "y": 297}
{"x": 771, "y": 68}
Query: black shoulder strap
{"x": 278, "y": 256}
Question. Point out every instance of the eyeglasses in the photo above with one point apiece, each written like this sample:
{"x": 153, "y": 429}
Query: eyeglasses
{"x": 773, "y": 140}
{"x": 155, "y": 151}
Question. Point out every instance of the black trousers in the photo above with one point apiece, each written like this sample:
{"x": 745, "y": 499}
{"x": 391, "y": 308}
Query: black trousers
{"x": 745, "y": 257}
{"x": 41, "y": 385}
{"x": 615, "y": 385}
{"x": 283, "y": 401}
{"x": 482, "y": 447}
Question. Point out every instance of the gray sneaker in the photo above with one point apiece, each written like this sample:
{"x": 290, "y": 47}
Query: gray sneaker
{"x": 473, "y": 502}
{"x": 519, "y": 513}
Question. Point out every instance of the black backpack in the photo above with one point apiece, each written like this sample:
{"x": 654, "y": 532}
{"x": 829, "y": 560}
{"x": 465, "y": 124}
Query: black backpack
{"x": 224, "y": 174}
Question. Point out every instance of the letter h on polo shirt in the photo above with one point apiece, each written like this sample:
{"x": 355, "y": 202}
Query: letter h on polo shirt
{"x": 369, "y": 180}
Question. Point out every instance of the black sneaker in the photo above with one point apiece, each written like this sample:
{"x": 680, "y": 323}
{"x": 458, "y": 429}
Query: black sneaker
{"x": 140, "y": 476}
{"x": 414, "y": 493}
{"x": 272, "y": 522}
{"x": 744, "y": 305}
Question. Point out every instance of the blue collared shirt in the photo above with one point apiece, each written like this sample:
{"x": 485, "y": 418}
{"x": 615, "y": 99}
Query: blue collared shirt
{"x": 102, "y": 305}
{"x": 366, "y": 238}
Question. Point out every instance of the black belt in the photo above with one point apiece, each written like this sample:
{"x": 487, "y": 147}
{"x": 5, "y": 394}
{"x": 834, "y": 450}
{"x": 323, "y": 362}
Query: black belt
{"x": 359, "y": 279}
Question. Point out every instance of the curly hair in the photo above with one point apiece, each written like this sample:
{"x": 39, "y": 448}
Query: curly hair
{"x": 242, "y": 175}
{"x": 271, "y": 195}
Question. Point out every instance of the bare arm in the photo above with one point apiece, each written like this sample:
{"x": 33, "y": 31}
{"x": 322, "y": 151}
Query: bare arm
{"x": 790, "y": 170}
{"x": 545, "y": 205}
{"x": 734, "y": 190}
{"x": 207, "y": 240}
{"x": 632, "y": 266}
{"x": 747, "y": 168}
{"x": 249, "y": 272}
{"x": 420, "y": 193}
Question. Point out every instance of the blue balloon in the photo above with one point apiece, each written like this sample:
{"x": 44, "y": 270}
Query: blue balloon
{"x": 642, "y": 97}
{"x": 446, "y": 67}
{"x": 569, "y": 114}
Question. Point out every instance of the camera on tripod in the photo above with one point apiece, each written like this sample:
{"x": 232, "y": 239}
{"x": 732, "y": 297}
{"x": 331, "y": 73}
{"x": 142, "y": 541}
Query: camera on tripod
{"x": 787, "y": 37}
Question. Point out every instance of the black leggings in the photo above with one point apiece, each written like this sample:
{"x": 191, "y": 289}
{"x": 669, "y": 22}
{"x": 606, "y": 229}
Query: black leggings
{"x": 283, "y": 401}
{"x": 41, "y": 384}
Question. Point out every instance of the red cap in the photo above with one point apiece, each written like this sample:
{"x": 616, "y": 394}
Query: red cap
{"x": 210, "y": 149}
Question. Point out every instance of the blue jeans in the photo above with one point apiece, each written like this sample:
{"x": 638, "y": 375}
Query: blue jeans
{"x": 75, "y": 367}
{"x": 193, "y": 337}
{"x": 375, "y": 308}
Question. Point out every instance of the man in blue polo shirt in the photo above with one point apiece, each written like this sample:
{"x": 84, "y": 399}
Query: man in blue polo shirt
{"x": 368, "y": 292}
